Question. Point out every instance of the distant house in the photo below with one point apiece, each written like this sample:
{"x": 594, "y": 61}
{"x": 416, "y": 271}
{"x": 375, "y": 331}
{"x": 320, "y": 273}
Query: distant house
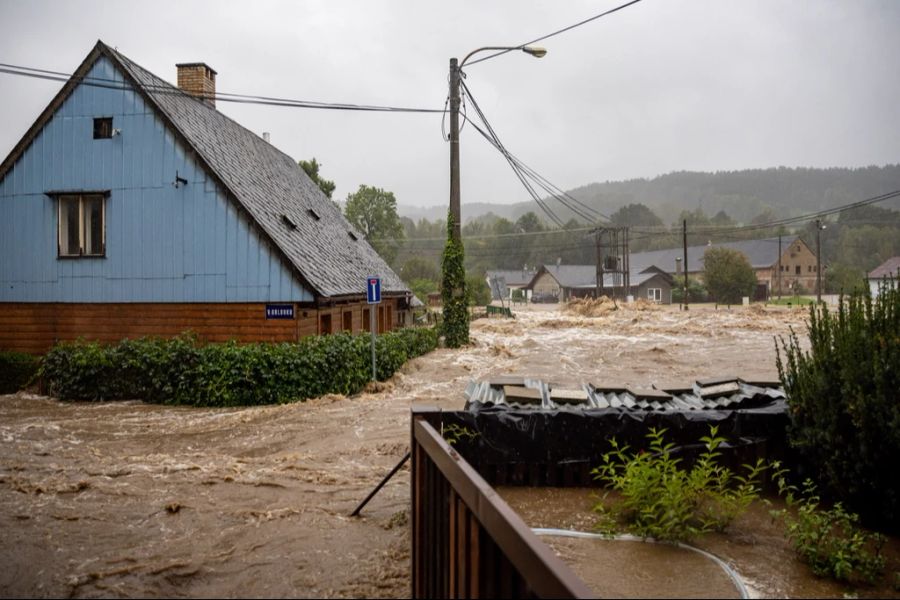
{"x": 564, "y": 282}
{"x": 889, "y": 270}
{"x": 517, "y": 279}
{"x": 132, "y": 207}
{"x": 797, "y": 268}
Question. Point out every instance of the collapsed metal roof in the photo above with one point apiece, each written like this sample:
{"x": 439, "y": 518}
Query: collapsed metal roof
{"x": 722, "y": 393}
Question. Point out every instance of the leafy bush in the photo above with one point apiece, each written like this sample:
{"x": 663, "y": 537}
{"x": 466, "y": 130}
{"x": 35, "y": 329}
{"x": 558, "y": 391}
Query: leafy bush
{"x": 181, "y": 371}
{"x": 696, "y": 291}
{"x": 664, "y": 501}
{"x": 16, "y": 370}
{"x": 829, "y": 540}
{"x": 844, "y": 398}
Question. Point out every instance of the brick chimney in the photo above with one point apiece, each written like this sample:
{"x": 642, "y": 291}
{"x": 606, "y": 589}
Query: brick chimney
{"x": 198, "y": 80}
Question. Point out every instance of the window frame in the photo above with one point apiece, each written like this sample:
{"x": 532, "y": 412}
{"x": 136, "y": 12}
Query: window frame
{"x": 82, "y": 198}
{"x": 654, "y": 297}
{"x": 103, "y": 128}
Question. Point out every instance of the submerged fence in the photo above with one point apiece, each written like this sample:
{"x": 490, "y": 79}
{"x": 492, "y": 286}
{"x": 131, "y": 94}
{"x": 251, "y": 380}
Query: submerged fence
{"x": 466, "y": 541}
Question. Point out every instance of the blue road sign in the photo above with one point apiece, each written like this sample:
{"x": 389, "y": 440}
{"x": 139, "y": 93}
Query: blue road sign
{"x": 373, "y": 290}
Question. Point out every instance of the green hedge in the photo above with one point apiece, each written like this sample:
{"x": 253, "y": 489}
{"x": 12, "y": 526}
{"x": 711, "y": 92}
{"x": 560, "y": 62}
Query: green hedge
{"x": 16, "y": 371}
{"x": 844, "y": 398}
{"x": 182, "y": 371}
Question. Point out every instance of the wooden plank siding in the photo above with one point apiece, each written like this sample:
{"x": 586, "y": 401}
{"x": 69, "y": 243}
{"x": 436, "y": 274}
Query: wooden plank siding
{"x": 35, "y": 327}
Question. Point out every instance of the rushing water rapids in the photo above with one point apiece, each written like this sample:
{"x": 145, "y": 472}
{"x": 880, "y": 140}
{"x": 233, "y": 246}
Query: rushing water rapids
{"x": 132, "y": 499}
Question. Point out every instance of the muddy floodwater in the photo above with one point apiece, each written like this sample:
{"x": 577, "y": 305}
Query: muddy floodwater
{"x": 754, "y": 547}
{"x": 133, "y": 499}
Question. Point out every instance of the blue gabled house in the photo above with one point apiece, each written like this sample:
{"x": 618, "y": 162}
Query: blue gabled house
{"x": 133, "y": 207}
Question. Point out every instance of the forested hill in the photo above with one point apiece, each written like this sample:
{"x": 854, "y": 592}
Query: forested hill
{"x": 743, "y": 195}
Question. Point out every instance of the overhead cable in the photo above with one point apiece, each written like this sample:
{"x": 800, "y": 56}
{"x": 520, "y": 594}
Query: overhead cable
{"x": 550, "y": 35}
{"x": 115, "y": 84}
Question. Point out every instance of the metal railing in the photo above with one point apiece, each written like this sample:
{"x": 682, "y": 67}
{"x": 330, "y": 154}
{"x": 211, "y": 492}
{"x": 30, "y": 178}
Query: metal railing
{"x": 466, "y": 541}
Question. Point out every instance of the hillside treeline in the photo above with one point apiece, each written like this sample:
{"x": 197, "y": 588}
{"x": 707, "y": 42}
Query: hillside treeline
{"x": 853, "y": 241}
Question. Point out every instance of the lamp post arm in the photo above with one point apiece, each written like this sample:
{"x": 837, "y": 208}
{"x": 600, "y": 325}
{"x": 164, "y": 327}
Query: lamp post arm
{"x": 477, "y": 50}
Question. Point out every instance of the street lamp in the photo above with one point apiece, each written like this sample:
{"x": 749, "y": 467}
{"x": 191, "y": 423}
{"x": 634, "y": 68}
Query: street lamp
{"x": 456, "y": 317}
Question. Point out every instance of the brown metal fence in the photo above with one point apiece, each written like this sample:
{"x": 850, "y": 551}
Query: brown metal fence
{"x": 466, "y": 541}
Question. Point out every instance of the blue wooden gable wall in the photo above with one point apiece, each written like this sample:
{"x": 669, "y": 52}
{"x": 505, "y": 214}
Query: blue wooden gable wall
{"x": 163, "y": 244}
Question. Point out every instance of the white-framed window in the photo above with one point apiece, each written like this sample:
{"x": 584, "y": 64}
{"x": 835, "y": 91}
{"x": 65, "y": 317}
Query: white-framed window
{"x": 654, "y": 294}
{"x": 82, "y": 225}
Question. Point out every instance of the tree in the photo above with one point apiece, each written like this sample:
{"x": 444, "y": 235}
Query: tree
{"x": 479, "y": 292}
{"x": 311, "y": 167}
{"x": 728, "y": 275}
{"x": 529, "y": 222}
{"x": 635, "y": 215}
{"x": 420, "y": 268}
{"x": 373, "y": 211}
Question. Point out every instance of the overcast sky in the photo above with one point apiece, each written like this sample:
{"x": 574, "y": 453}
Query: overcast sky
{"x": 661, "y": 86}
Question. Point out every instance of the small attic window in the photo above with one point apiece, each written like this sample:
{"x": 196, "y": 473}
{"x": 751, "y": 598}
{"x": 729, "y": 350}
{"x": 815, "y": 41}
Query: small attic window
{"x": 103, "y": 128}
{"x": 313, "y": 214}
{"x": 352, "y": 236}
{"x": 287, "y": 221}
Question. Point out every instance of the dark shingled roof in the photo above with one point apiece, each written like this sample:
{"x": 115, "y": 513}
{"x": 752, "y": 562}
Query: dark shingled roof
{"x": 268, "y": 184}
{"x": 585, "y": 276}
{"x": 761, "y": 254}
{"x": 324, "y": 250}
{"x": 889, "y": 268}
{"x": 512, "y": 277}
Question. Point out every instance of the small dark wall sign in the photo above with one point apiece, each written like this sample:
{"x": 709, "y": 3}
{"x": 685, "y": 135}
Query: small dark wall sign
{"x": 279, "y": 311}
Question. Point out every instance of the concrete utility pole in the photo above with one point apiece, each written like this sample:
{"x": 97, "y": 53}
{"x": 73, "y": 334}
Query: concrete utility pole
{"x": 456, "y": 319}
{"x": 685, "y": 266}
{"x": 455, "y": 210}
{"x": 779, "y": 266}
{"x": 819, "y": 228}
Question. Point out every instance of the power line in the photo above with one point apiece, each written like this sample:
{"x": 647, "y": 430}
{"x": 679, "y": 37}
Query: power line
{"x": 639, "y": 233}
{"x": 499, "y": 145}
{"x": 218, "y": 96}
{"x": 523, "y": 171}
{"x": 786, "y": 221}
{"x": 559, "y": 31}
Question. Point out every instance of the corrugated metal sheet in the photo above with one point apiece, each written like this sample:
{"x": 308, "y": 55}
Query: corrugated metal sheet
{"x": 520, "y": 393}
{"x": 163, "y": 244}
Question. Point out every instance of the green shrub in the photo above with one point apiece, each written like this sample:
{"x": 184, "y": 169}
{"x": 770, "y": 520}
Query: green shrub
{"x": 844, "y": 399}
{"x": 696, "y": 291}
{"x": 181, "y": 371}
{"x": 829, "y": 540}
{"x": 662, "y": 500}
{"x": 17, "y": 369}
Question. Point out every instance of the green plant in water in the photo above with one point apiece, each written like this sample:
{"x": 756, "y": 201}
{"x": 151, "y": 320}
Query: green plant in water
{"x": 662, "y": 500}
{"x": 830, "y": 541}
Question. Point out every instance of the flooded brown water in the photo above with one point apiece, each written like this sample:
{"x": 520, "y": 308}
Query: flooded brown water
{"x": 754, "y": 546}
{"x": 132, "y": 499}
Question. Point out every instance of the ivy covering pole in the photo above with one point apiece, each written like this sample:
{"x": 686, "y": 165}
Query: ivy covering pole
{"x": 454, "y": 294}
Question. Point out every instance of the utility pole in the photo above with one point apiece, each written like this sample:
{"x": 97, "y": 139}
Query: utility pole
{"x": 819, "y": 228}
{"x": 599, "y": 273}
{"x": 455, "y": 211}
{"x": 779, "y": 266}
{"x": 453, "y": 276}
{"x": 685, "y": 266}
